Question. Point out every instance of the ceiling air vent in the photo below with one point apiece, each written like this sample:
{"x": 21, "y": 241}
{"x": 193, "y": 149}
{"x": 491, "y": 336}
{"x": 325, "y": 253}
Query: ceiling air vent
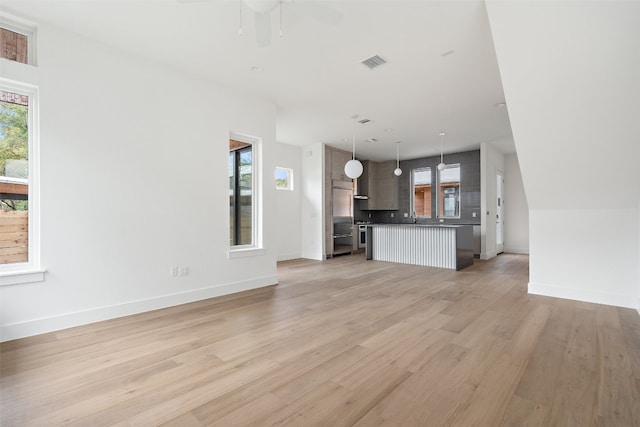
{"x": 364, "y": 121}
{"x": 374, "y": 62}
{"x": 372, "y": 140}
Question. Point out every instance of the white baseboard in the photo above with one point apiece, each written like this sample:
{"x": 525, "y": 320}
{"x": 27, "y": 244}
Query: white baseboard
{"x": 488, "y": 255}
{"x": 522, "y": 251}
{"x": 581, "y": 295}
{"x": 84, "y": 317}
{"x": 286, "y": 257}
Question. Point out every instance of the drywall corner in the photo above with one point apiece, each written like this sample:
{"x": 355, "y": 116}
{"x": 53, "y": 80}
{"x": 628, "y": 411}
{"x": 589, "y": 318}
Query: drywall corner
{"x": 312, "y": 201}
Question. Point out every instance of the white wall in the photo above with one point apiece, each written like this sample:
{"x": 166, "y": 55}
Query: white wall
{"x": 491, "y": 161}
{"x": 572, "y": 97}
{"x": 565, "y": 253}
{"x": 313, "y": 201}
{"x": 516, "y": 210}
{"x": 134, "y": 180}
{"x": 289, "y": 204}
{"x": 572, "y": 87}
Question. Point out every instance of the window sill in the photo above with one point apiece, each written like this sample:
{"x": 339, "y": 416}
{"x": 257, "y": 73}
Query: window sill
{"x": 21, "y": 276}
{"x": 245, "y": 252}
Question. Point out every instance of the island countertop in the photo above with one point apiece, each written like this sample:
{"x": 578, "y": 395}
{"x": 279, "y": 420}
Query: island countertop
{"x": 434, "y": 245}
{"x": 416, "y": 224}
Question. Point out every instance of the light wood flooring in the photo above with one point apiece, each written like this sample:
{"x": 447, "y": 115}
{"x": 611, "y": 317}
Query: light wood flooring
{"x": 338, "y": 343}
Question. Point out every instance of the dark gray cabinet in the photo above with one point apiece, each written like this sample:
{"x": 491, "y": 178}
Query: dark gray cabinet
{"x": 337, "y": 159}
{"x": 381, "y": 185}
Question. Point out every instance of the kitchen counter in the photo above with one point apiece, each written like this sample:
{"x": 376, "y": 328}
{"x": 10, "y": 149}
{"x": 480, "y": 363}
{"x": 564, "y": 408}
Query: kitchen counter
{"x": 417, "y": 224}
{"x": 433, "y": 245}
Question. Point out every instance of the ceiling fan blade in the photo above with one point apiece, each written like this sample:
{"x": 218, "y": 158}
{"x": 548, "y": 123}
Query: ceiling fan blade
{"x": 324, "y": 13}
{"x": 262, "y": 6}
{"x": 263, "y": 29}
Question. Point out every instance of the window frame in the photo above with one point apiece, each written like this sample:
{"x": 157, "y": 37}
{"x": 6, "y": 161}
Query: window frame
{"x": 439, "y": 198}
{"x": 17, "y": 25}
{"x": 412, "y": 195}
{"x": 289, "y": 173}
{"x": 255, "y": 248}
{"x": 30, "y": 271}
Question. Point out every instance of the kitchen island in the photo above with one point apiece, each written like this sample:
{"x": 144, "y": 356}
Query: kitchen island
{"x": 431, "y": 245}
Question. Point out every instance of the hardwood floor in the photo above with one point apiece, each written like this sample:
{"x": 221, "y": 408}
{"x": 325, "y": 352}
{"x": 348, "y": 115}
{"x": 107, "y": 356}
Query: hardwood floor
{"x": 338, "y": 343}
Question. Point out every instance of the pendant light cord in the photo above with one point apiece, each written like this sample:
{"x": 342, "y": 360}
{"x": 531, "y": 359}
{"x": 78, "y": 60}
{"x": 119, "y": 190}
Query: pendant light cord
{"x": 280, "y": 11}
{"x": 353, "y": 152}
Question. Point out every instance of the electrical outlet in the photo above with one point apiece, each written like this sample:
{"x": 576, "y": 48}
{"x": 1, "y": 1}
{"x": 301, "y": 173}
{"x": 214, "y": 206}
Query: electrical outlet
{"x": 183, "y": 271}
{"x": 441, "y": 220}
{"x": 173, "y": 271}
{"x": 392, "y": 214}
{"x": 406, "y": 215}
{"x": 473, "y": 214}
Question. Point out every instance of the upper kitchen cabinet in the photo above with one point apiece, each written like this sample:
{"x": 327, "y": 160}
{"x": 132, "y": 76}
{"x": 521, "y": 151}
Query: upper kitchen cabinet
{"x": 381, "y": 185}
{"x": 387, "y": 187}
{"x": 337, "y": 159}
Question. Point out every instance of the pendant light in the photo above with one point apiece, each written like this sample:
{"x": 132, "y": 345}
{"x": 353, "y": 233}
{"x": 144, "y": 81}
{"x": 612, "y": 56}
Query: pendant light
{"x": 240, "y": 32}
{"x": 441, "y": 166}
{"x": 397, "y": 171}
{"x": 353, "y": 168}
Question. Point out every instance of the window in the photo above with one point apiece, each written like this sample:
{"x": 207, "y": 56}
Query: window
{"x": 284, "y": 179}
{"x": 14, "y": 178}
{"x": 241, "y": 193}
{"x": 17, "y": 41}
{"x": 421, "y": 184}
{"x": 14, "y": 46}
{"x": 19, "y": 237}
{"x": 449, "y": 194}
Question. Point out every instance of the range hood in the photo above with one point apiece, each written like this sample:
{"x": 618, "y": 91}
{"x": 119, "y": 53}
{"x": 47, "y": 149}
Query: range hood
{"x": 356, "y": 191}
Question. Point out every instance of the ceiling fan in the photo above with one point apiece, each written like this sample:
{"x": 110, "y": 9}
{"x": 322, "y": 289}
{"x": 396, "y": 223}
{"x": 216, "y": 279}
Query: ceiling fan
{"x": 262, "y": 10}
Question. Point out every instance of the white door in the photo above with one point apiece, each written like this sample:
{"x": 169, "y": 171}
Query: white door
{"x": 499, "y": 213}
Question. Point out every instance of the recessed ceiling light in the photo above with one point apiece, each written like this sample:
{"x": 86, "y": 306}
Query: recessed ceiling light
{"x": 257, "y": 69}
{"x": 447, "y": 53}
{"x": 364, "y": 121}
{"x": 389, "y": 130}
{"x": 372, "y": 140}
{"x": 500, "y": 104}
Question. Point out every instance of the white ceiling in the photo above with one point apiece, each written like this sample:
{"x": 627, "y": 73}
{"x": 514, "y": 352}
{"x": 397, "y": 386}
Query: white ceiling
{"x": 313, "y": 73}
